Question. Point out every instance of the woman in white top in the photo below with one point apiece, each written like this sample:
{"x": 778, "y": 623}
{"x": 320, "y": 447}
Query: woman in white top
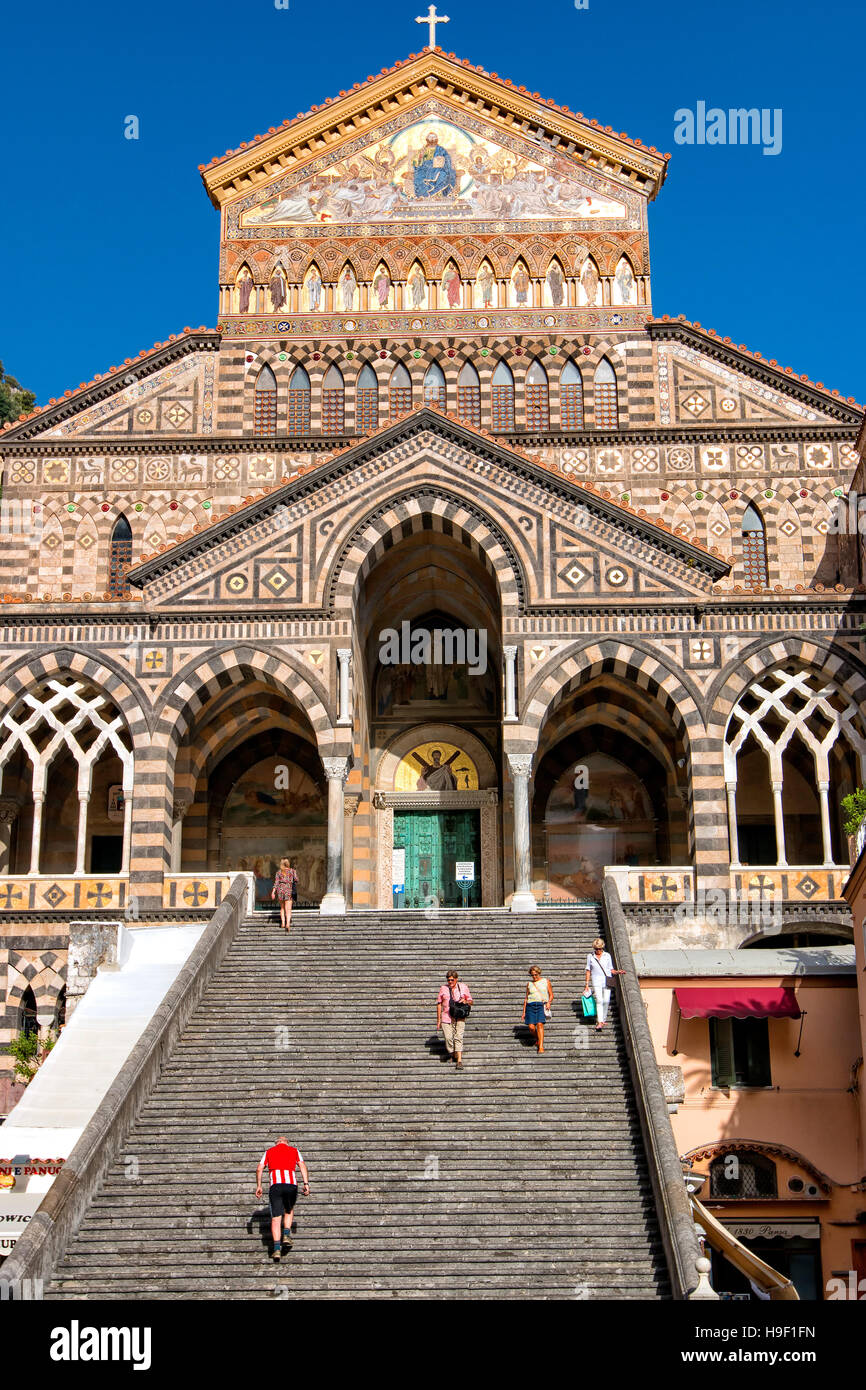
{"x": 599, "y": 972}
{"x": 539, "y": 996}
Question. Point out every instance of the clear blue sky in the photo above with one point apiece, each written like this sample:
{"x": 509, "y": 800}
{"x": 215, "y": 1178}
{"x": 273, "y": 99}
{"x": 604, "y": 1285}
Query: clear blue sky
{"x": 110, "y": 244}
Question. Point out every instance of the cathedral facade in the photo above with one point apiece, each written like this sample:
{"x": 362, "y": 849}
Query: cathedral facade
{"x": 442, "y": 564}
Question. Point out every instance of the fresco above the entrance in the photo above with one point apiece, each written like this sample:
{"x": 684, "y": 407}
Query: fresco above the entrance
{"x": 275, "y": 808}
{"x": 436, "y": 169}
{"x": 436, "y": 767}
{"x": 609, "y": 822}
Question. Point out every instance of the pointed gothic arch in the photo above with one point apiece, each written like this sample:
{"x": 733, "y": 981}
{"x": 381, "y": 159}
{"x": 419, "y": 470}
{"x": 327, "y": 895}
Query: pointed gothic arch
{"x": 754, "y": 543}
{"x": 435, "y": 387}
{"x": 333, "y": 401}
{"x": 399, "y": 391}
{"x": 537, "y": 397}
{"x": 367, "y": 400}
{"x": 571, "y": 396}
{"x": 605, "y": 400}
{"x": 298, "y": 402}
{"x": 469, "y": 395}
{"x": 119, "y": 557}
{"x": 502, "y": 397}
{"x": 265, "y": 403}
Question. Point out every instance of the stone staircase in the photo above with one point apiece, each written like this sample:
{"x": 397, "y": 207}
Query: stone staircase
{"x": 522, "y": 1176}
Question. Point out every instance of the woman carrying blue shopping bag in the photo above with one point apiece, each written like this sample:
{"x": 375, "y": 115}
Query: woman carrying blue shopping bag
{"x": 599, "y": 976}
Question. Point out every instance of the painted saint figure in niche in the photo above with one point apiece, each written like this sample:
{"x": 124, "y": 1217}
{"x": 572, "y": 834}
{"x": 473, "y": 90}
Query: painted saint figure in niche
{"x": 521, "y": 284}
{"x": 451, "y": 286}
{"x": 277, "y": 290}
{"x": 314, "y": 290}
{"x": 624, "y": 281}
{"x": 589, "y": 280}
{"x": 348, "y": 285}
{"x": 556, "y": 285}
{"x": 418, "y": 287}
{"x": 434, "y": 174}
{"x": 245, "y": 290}
{"x": 486, "y": 284}
{"x": 382, "y": 287}
{"x": 436, "y": 776}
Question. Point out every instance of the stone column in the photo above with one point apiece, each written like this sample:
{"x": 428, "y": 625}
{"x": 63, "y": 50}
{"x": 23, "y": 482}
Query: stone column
{"x": 81, "y": 847}
{"x": 36, "y": 841}
{"x": 523, "y": 900}
{"x": 731, "y": 788}
{"x": 351, "y": 802}
{"x": 334, "y": 902}
{"x": 9, "y": 808}
{"x": 510, "y": 654}
{"x": 178, "y": 811}
{"x": 781, "y": 861}
{"x": 344, "y": 660}
{"x": 824, "y": 794}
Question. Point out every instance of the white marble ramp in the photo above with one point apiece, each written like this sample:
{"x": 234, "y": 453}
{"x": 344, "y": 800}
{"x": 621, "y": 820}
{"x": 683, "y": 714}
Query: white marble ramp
{"x": 96, "y": 1042}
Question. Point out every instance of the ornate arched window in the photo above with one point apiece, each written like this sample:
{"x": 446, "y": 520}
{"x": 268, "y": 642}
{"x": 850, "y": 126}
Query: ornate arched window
{"x": 469, "y": 395}
{"x": 502, "y": 397}
{"x": 606, "y": 404}
{"x": 265, "y": 416}
{"x": 754, "y": 548}
{"x": 298, "y": 414}
{"x": 400, "y": 391}
{"x": 333, "y": 401}
{"x": 743, "y": 1174}
{"x": 27, "y": 1020}
{"x": 537, "y": 397}
{"x": 367, "y": 400}
{"x": 571, "y": 397}
{"x": 794, "y": 746}
{"x": 434, "y": 386}
{"x": 119, "y": 556}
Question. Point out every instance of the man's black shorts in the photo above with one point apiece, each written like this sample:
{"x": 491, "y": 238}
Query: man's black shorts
{"x": 282, "y": 1197}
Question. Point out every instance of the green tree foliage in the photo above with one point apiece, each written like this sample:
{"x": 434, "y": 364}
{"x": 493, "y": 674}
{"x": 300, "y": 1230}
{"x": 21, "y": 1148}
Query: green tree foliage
{"x": 854, "y": 807}
{"x": 14, "y": 400}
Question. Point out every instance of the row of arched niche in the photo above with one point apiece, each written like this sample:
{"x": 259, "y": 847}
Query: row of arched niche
{"x": 350, "y": 293}
{"x": 464, "y": 401}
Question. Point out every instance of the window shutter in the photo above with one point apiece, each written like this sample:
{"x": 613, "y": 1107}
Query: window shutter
{"x": 721, "y": 1052}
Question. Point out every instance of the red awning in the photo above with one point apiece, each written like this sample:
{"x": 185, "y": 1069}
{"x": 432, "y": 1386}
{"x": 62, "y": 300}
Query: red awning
{"x": 743, "y": 1001}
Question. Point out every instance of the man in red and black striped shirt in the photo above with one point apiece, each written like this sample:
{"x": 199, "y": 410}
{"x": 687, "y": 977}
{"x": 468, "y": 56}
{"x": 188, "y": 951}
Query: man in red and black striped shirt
{"x": 282, "y": 1161}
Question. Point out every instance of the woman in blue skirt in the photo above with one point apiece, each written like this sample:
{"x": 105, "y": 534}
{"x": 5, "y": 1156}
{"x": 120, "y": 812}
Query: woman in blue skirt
{"x": 536, "y": 1005}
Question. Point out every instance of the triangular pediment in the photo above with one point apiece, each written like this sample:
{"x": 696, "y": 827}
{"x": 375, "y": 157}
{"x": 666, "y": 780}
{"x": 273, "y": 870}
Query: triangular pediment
{"x": 562, "y": 542}
{"x": 435, "y": 163}
{"x": 370, "y": 123}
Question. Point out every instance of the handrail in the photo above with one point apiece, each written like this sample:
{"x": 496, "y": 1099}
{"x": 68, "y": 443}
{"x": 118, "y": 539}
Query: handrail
{"x": 778, "y": 1287}
{"x": 43, "y": 1244}
{"x": 673, "y": 1207}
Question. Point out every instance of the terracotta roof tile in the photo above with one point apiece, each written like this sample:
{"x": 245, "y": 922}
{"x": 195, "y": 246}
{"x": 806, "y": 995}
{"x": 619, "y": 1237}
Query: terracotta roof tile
{"x": 756, "y": 356}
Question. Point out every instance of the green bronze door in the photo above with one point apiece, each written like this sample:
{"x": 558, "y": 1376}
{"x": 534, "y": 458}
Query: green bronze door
{"x": 434, "y": 843}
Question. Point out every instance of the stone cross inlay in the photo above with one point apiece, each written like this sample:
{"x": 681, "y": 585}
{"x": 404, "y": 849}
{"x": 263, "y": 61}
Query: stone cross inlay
{"x": 432, "y": 18}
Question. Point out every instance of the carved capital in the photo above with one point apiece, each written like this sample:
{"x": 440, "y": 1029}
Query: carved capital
{"x": 351, "y": 802}
{"x": 9, "y": 808}
{"x": 179, "y": 809}
{"x": 344, "y": 654}
{"x": 510, "y": 653}
{"x": 520, "y": 764}
{"x": 336, "y": 769}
